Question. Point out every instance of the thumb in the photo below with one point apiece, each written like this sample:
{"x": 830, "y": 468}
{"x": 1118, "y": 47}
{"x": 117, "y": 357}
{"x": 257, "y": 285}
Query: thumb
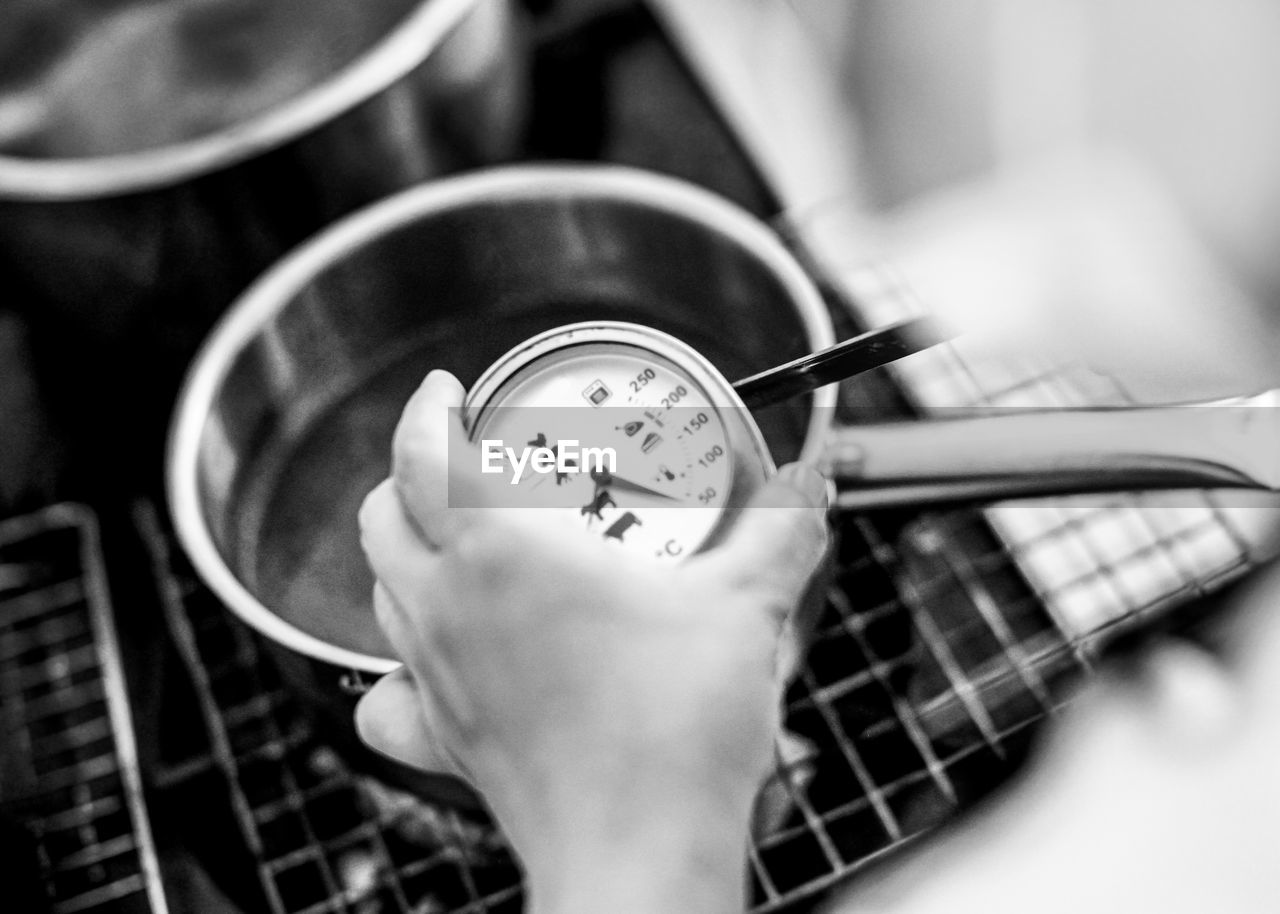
{"x": 393, "y": 718}
{"x": 780, "y": 538}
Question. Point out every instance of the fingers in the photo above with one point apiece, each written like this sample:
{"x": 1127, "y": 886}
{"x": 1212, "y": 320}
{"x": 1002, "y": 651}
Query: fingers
{"x": 393, "y": 718}
{"x": 779, "y": 540}
{"x": 395, "y": 622}
{"x": 430, "y": 432}
{"x": 418, "y": 632}
{"x": 396, "y": 552}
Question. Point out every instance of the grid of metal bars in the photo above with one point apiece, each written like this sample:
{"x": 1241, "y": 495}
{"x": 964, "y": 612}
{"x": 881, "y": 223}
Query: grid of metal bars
{"x": 71, "y": 769}
{"x": 1098, "y": 564}
{"x": 946, "y": 638}
{"x": 325, "y": 839}
{"x": 932, "y": 660}
{"x": 950, "y": 637}
{"x": 917, "y": 684}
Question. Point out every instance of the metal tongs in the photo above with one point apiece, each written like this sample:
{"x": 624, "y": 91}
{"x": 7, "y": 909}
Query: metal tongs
{"x": 990, "y": 454}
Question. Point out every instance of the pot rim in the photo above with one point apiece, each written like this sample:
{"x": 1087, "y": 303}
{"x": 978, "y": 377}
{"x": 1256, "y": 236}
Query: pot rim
{"x": 280, "y": 285}
{"x": 391, "y": 58}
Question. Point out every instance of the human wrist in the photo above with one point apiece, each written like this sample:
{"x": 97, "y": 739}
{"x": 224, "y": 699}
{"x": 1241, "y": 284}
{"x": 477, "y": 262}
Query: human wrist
{"x": 690, "y": 858}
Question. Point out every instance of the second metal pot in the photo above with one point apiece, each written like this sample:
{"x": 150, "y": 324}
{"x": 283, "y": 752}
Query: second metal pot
{"x": 122, "y": 262}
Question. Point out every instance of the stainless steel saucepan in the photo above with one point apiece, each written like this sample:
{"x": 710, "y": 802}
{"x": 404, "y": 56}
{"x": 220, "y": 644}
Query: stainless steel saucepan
{"x": 286, "y": 419}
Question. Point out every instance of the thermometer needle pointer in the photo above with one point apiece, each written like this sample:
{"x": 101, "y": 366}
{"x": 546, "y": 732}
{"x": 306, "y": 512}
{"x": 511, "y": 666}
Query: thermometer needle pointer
{"x": 606, "y": 480}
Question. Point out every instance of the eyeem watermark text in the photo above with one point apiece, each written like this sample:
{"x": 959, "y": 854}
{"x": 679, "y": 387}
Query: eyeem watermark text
{"x": 564, "y": 459}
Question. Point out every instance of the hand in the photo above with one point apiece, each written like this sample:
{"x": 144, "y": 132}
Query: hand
{"x": 617, "y": 715}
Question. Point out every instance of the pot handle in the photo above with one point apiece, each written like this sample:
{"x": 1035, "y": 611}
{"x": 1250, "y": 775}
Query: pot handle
{"x": 994, "y": 455}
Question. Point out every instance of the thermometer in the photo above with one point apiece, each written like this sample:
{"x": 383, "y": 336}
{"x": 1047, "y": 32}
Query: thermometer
{"x": 635, "y": 433}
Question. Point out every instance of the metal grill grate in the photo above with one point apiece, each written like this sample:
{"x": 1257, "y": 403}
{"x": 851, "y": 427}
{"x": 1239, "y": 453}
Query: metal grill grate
{"x": 70, "y": 770}
{"x": 945, "y": 639}
{"x": 1097, "y": 564}
{"x": 934, "y": 659}
{"x": 932, "y": 663}
{"x": 324, "y": 838}
{"x": 948, "y": 638}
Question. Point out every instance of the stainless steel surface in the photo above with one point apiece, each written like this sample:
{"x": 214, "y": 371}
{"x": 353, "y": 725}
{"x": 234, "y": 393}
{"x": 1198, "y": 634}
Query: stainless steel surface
{"x": 920, "y": 684}
{"x": 987, "y": 455}
{"x": 749, "y": 463}
{"x": 321, "y": 836}
{"x": 286, "y": 420}
{"x": 931, "y": 667}
{"x": 846, "y": 359}
{"x": 187, "y": 225}
{"x": 139, "y": 252}
{"x": 68, "y": 744}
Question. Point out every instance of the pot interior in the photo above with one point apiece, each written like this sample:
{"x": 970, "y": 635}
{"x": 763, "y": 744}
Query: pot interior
{"x": 302, "y": 424}
{"x": 109, "y": 78}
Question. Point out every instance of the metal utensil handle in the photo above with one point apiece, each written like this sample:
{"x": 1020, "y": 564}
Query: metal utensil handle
{"x": 992, "y": 456}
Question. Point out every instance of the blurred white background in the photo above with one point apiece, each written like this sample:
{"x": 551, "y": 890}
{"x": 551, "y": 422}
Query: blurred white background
{"x": 1100, "y": 176}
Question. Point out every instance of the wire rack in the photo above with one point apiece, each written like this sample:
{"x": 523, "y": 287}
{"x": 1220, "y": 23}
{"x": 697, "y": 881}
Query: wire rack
{"x": 950, "y": 636}
{"x": 1099, "y": 565}
{"x": 324, "y": 839}
{"x": 945, "y": 639}
{"x": 71, "y": 777}
{"x": 932, "y": 663}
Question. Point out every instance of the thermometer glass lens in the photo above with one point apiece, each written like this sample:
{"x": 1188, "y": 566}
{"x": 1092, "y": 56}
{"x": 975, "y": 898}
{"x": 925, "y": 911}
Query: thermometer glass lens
{"x": 664, "y": 489}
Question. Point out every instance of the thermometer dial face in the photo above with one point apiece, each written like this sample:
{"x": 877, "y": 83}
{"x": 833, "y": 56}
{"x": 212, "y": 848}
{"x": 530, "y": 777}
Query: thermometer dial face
{"x": 641, "y": 428}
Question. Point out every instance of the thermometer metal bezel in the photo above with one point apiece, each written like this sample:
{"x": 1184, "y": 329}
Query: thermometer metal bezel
{"x": 752, "y": 463}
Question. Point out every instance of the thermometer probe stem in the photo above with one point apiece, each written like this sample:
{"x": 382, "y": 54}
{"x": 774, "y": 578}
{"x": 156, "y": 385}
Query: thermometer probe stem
{"x": 843, "y": 360}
